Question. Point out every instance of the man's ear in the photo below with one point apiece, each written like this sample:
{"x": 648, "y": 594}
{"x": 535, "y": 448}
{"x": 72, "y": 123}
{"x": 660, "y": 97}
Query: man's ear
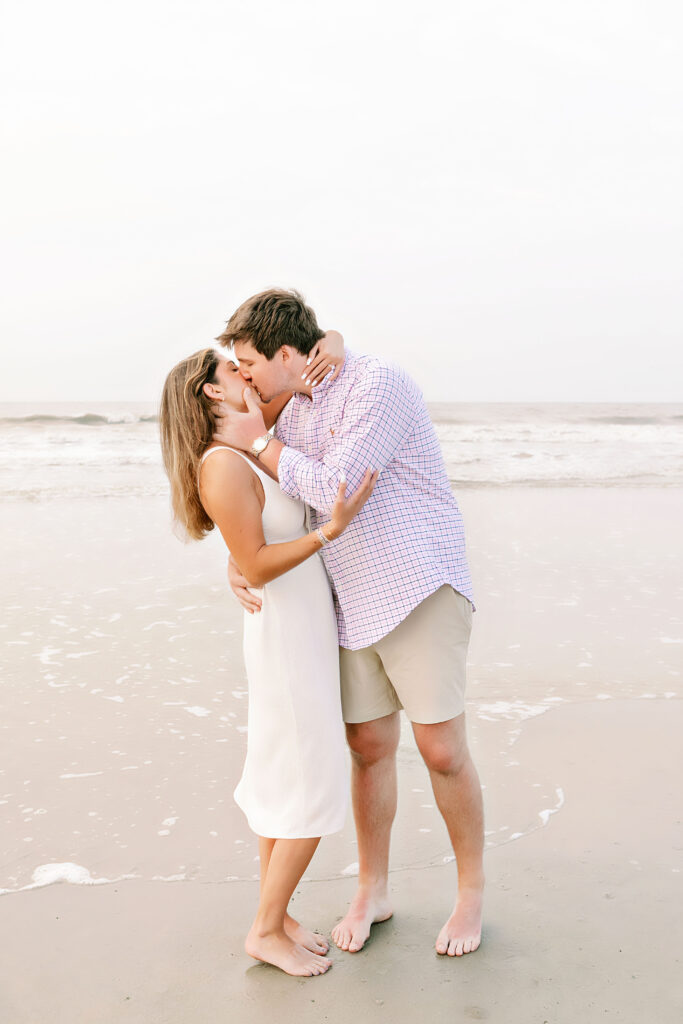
{"x": 212, "y": 392}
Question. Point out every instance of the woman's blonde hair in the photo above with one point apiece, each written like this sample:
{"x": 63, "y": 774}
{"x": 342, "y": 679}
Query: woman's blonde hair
{"x": 187, "y": 427}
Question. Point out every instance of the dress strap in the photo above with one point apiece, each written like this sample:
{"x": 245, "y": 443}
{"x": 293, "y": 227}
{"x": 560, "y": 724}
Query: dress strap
{"x": 224, "y": 447}
{"x": 210, "y": 451}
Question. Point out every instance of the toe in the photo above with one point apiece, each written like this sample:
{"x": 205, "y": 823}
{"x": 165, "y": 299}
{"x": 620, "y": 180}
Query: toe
{"x": 451, "y": 947}
{"x": 458, "y": 948}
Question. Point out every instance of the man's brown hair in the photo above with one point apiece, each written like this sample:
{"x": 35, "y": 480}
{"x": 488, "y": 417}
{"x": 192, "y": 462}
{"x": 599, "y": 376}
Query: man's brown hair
{"x": 272, "y": 319}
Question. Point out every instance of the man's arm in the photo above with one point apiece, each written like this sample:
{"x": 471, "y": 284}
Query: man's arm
{"x": 239, "y": 585}
{"x": 378, "y": 413}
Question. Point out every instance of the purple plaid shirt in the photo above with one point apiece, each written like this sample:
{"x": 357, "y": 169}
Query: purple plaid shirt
{"x": 408, "y": 540}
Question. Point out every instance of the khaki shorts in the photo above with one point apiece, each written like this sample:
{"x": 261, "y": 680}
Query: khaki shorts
{"x": 419, "y": 666}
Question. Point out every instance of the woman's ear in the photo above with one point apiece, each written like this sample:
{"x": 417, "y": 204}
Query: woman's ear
{"x": 213, "y": 392}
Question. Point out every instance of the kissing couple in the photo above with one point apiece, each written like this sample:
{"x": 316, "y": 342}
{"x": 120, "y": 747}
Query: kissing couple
{"x": 322, "y": 471}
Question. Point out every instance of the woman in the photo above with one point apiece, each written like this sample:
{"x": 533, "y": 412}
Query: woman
{"x": 293, "y": 786}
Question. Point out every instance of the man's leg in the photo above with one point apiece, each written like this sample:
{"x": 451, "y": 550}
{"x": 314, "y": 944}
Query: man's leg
{"x": 458, "y": 796}
{"x": 373, "y": 786}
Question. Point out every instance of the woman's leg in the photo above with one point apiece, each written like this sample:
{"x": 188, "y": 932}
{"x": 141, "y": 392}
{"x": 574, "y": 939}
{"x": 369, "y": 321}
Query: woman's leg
{"x": 265, "y": 848}
{"x": 267, "y": 939}
{"x": 303, "y": 936}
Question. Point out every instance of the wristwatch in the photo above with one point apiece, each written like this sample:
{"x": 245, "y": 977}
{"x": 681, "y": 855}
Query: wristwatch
{"x": 260, "y": 445}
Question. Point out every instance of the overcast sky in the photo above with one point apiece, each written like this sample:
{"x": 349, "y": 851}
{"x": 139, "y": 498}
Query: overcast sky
{"x": 487, "y": 192}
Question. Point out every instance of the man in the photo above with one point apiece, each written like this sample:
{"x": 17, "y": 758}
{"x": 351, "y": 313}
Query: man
{"x": 400, "y": 581}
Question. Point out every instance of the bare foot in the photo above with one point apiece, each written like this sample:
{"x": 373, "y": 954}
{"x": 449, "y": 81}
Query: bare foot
{"x": 462, "y": 931}
{"x": 353, "y": 930}
{"x": 314, "y": 941}
{"x": 278, "y": 949}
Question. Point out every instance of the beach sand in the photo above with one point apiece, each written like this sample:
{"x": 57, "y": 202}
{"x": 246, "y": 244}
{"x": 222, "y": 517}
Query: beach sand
{"x": 123, "y": 734}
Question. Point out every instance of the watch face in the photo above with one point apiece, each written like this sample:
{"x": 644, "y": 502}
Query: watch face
{"x": 259, "y": 444}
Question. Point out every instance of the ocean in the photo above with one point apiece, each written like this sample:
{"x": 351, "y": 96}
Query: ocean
{"x": 112, "y": 449}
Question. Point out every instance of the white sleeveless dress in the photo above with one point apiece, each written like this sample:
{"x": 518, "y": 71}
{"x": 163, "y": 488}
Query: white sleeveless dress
{"x": 294, "y": 782}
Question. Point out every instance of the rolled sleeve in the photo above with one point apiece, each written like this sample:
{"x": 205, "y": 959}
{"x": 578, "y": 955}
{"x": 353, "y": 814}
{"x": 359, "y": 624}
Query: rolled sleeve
{"x": 308, "y": 480}
{"x": 378, "y": 413}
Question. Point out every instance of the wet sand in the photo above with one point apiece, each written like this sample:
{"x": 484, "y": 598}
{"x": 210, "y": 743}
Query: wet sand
{"x": 123, "y": 730}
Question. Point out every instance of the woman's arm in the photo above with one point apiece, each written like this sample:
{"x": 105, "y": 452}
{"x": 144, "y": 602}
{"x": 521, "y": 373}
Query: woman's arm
{"x": 327, "y": 357}
{"x": 229, "y": 495}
